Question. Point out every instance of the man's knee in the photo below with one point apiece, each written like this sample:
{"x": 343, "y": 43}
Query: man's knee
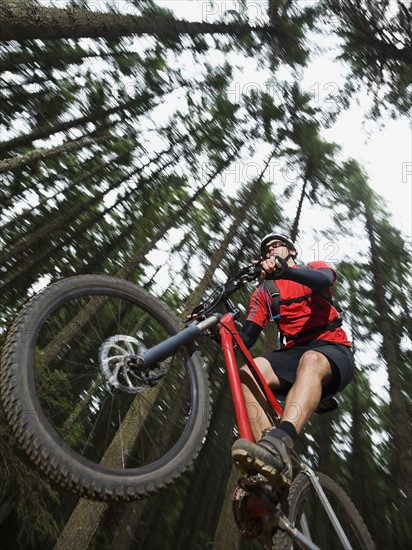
{"x": 314, "y": 363}
{"x": 250, "y": 378}
{"x": 311, "y": 357}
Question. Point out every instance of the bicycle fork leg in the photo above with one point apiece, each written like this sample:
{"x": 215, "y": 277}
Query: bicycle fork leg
{"x": 326, "y": 504}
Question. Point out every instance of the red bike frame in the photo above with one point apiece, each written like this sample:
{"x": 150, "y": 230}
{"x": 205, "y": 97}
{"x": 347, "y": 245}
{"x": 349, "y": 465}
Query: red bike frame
{"x": 228, "y": 334}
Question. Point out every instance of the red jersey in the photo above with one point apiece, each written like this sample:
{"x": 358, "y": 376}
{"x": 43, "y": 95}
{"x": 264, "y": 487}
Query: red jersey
{"x": 302, "y": 310}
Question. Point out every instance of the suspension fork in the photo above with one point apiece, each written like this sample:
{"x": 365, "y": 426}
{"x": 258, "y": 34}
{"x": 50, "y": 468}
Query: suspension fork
{"x": 228, "y": 333}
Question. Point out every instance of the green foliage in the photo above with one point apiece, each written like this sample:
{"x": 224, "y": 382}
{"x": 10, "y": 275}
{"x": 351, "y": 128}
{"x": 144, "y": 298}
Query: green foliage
{"x": 377, "y": 47}
{"x": 290, "y": 21}
{"x": 156, "y": 204}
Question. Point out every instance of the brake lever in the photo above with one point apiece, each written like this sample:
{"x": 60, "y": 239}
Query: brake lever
{"x": 254, "y": 275}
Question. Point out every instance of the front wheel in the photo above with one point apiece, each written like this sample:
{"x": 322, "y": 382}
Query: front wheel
{"x": 306, "y": 512}
{"x": 80, "y": 406}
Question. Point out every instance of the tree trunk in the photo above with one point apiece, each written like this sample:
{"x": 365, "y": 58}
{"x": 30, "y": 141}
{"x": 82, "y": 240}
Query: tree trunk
{"x": 359, "y": 432}
{"x": 218, "y": 256}
{"x": 324, "y": 440}
{"x": 209, "y": 481}
{"x": 82, "y": 524}
{"x": 46, "y": 131}
{"x": 137, "y": 258}
{"x": 295, "y": 228}
{"x": 20, "y": 20}
{"x": 398, "y": 405}
{"x": 85, "y": 518}
{"x": 48, "y": 59}
{"x": 127, "y": 526}
{"x": 41, "y": 154}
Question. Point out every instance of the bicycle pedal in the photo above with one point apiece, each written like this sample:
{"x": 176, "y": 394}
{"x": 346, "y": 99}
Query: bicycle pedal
{"x": 253, "y": 480}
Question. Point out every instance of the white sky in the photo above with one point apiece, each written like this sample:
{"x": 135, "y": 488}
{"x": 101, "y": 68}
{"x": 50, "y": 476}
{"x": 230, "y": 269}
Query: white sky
{"x": 385, "y": 153}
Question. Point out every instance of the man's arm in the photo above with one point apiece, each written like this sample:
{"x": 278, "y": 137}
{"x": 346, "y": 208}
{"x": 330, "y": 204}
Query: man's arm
{"x": 250, "y": 333}
{"x": 316, "y": 279}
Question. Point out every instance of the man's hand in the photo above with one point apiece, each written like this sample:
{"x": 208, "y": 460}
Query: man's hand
{"x": 274, "y": 266}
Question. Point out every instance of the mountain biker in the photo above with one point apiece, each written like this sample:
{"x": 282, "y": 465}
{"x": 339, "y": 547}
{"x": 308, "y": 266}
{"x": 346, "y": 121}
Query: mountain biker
{"x": 315, "y": 361}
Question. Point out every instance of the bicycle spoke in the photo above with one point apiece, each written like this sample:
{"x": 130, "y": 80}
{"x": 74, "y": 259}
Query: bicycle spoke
{"x": 73, "y": 376}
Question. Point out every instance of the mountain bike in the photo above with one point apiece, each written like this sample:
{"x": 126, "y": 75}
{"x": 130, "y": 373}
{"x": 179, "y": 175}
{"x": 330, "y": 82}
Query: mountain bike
{"x": 106, "y": 391}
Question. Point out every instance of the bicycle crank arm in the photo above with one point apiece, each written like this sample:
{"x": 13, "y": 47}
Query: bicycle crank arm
{"x": 294, "y": 533}
{"x": 158, "y": 353}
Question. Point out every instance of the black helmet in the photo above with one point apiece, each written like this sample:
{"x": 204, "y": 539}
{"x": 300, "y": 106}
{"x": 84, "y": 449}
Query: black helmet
{"x": 270, "y": 237}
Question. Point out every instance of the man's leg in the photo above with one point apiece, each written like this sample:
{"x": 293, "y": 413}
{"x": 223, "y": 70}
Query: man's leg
{"x": 271, "y": 456}
{"x": 313, "y": 373}
{"x": 258, "y": 410}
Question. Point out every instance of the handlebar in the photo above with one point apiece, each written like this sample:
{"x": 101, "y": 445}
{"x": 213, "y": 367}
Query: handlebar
{"x": 222, "y": 293}
{"x": 203, "y": 315}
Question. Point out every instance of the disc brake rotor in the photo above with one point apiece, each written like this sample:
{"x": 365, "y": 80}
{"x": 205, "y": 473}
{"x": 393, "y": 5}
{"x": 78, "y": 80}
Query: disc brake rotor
{"x": 115, "y": 359}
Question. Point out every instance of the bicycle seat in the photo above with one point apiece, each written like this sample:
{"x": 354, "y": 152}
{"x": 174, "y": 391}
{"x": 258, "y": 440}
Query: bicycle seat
{"x": 327, "y": 405}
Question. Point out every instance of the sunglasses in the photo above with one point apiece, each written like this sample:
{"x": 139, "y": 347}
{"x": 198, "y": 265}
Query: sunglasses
{"x": 273, "y": 246}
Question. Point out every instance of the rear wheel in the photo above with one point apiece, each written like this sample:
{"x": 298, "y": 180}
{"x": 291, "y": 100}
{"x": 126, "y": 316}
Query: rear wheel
{"x": 305, "y": 511}
{"x": 78, "y": 404}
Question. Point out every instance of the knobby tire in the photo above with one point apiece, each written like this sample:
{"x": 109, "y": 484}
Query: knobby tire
{"x": 96, "y": 441}
{"x": 302, "y": 507}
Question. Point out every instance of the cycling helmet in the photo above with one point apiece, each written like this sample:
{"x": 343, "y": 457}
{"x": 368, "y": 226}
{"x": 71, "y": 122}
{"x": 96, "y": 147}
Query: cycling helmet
{"x": 270, "y": 237}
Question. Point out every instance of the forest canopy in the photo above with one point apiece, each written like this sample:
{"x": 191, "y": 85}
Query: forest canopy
{"x": 139, "y": 144}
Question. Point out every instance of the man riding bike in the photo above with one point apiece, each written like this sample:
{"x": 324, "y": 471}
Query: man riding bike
{"x": 314, "y": 362}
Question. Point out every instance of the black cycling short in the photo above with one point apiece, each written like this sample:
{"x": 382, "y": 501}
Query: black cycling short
{"x": 285, "y": 363}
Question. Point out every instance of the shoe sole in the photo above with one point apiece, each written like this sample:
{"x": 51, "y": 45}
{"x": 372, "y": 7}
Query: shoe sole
{"x": 246, "y": 464}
